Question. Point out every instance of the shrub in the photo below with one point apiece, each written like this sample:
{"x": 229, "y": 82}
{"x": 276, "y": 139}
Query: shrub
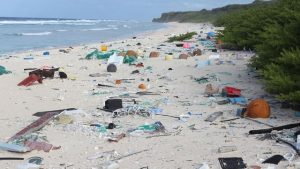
{"x": 182, "y": 37}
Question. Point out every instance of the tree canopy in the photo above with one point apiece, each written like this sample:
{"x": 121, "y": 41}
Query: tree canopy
{"x": 273, "y": 32}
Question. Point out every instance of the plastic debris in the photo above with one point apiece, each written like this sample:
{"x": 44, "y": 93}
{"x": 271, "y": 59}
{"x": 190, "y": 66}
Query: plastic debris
{"x": 157, "y": 126}
{"x": 111, "y": 68}
{"x": 213, "y": 116}
{"x": 35, "y": 145}
{"x": 100, "y": 55}
{"x": 274, "y": 159}
{"x": 232, "y": 163}
{"x": 115, "y": 59}
{"x": 238, "y": 100}
{"x": 226, "y": 149}
{"x": 13, "y": 147}
{"x": 231, "y": 92}
{"x": 129, "y": 60}
{"x": 3, "y": 70}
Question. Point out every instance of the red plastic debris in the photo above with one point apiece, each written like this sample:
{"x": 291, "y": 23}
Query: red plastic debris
{"x": 36, "y": 125}
{"x": 30, "y": 80}
{"x": 36, "y": 145}
{"x": 232, "y": 92}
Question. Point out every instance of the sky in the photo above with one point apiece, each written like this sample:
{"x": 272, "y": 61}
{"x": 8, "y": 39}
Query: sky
{"x": 142, "y": 10}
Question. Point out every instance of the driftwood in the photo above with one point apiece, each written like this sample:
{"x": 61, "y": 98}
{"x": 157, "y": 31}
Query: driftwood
{"x": 229, "y": 120}
{"x": 103, "y": 85}
{"x": 263, "y": 131}
{"x": 44, "y": 73}
{"x": 289, "y": 144}
{"x": 160, "y": 135}
{"x": 176, "y": 117}
{"x": 41, "y": 113}
{"x": 119, "y": 158}
{"x": 147, "y": 93}
{"x": 11, "y": 158}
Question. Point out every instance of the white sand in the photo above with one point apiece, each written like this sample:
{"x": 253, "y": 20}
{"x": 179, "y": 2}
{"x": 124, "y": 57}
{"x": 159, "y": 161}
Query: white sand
{"x": 184, "y": 148}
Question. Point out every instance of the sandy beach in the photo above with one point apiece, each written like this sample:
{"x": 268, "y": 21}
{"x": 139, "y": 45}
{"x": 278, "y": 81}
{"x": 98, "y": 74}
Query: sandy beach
{"x": 186, "y": 143}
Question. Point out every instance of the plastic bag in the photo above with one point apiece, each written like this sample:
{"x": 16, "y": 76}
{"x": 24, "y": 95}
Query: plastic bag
{"x": 100, "y": 55}
{"x": 117, "y": 60}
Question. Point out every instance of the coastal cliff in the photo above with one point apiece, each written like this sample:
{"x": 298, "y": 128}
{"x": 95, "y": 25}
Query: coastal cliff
{"x": 206, "y": 15}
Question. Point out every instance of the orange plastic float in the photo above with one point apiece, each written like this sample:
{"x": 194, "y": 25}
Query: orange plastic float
{"x": 258, "y": 108}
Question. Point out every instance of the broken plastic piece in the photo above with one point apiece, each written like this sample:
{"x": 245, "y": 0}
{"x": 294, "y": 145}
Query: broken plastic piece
{"x": 13, "y": 147}
{"x": 274, "y": 159}
{"x": 35, "y": 145}
{"x": 226, "y": 149}
{"x": 238, "y": 100}
{"x": 117, "y": 138}
{"x": 30, "y": 80}
{"x": 213, "y": 116}
{"x": 231, "y": 92}
{"x": 3, "y": 70}
{"x": 232, "y": 163}
{"x": 35, "y": 160}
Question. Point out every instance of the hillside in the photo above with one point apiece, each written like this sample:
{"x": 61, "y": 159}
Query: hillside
{"x": 206, "y": 15}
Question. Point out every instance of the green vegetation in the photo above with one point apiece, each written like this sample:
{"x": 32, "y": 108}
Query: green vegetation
{"x": 206, "y": 15}
{"x": 182, "y": 37}
{"x": 270, "y": 28}
{"x": 273, "y": 32}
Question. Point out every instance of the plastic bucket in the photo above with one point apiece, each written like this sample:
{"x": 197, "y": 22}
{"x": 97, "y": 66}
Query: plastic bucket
{"x": 169, "y": 57}
{"x": 103, "y": 48}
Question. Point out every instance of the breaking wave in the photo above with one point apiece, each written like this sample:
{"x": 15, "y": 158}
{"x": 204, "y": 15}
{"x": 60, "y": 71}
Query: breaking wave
{"x": 61, "y": 30}
{"x": 34, "y": 34}
{"x": 100, "y": 29}
{"x": 52, "y": 22}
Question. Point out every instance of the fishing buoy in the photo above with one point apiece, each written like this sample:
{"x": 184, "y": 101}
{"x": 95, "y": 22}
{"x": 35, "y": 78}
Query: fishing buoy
{"x": 111, "y": 68}
{"x": 142, "y": 86}
{"x": 258, "y": 108}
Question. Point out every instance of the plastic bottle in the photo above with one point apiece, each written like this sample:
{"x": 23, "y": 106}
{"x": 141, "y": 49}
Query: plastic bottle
{"x": 298, "y": 142}
{"x": 226, "y": 149}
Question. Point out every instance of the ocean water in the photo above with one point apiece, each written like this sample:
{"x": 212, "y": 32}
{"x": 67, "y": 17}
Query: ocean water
{"x": 21, "y": 34}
